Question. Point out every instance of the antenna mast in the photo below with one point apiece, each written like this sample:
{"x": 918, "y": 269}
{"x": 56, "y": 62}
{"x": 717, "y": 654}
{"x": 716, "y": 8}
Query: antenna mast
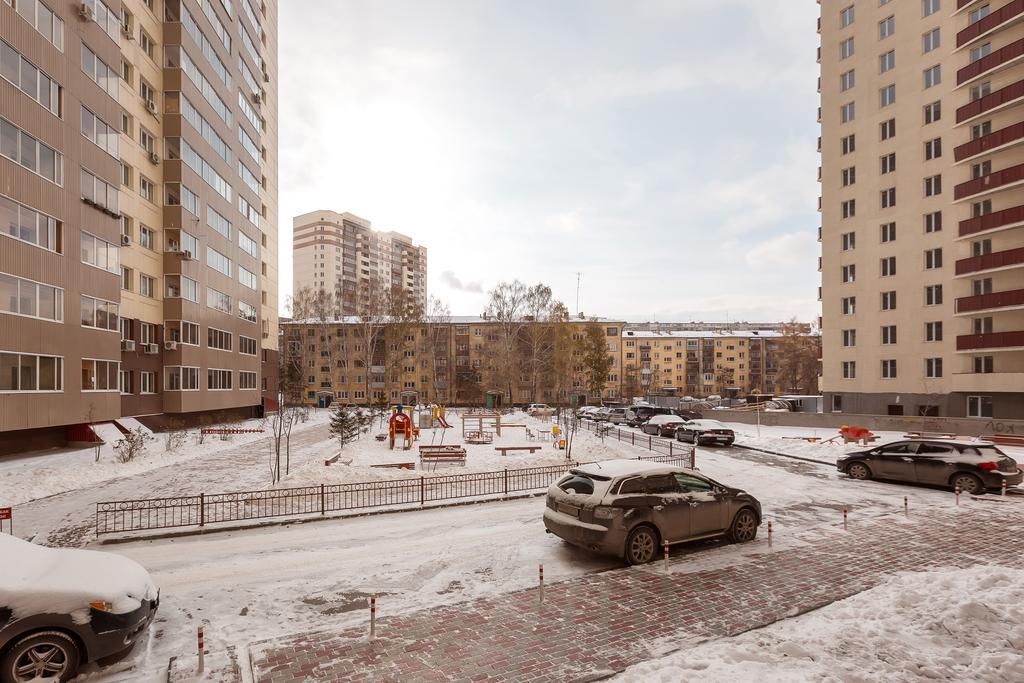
{"x": 578, "y": 276}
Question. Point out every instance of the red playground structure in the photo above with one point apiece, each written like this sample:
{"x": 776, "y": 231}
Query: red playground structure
{"x": 401, "y": 423}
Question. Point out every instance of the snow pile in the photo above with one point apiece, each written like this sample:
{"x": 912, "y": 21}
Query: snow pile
{"x": 953, "y": 624}
{"x": 39, "y": 580}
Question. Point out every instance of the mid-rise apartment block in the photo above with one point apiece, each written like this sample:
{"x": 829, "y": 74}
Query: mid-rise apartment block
{"x": 138, "y": 198}
{"x": 922, "y": 201}
{"x": 340, "y": 253}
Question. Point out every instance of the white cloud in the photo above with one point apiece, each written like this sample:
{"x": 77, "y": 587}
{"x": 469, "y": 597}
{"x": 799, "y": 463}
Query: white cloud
{"x": 783, "y": 252}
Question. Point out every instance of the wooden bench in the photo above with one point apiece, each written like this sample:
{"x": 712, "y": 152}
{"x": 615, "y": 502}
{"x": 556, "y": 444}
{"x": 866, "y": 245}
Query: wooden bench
{"x": 229, "y": 430}
{"x": 480, "y": 437}
{"x": 398, "y": 465}
{"x": 442, "y": 454}
{"x": 505, "y": 449}
{"x": 929, "y": 435}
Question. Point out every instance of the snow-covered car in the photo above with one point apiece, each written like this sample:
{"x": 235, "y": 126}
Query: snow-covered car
{"x": 60, "y": 608}
{"x": 601, "y": 414}
{"x": 628, "y": 508}
{"x": 539, "y": 410}
{"x": 662, "y": 425}
{"x": 699, "y": 432}
{"x": 617, "y": 416}
{"x": 971, "y": 466}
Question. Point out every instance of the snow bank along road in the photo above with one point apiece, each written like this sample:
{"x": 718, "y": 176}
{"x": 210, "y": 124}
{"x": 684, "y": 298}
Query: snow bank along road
{"x": 255, "y": 584}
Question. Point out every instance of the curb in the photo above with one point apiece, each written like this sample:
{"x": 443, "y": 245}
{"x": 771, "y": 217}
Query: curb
{"x": 784, "y": 455}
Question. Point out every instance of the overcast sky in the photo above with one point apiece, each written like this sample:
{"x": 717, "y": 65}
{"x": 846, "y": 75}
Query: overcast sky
{"x": 663, "y": 148}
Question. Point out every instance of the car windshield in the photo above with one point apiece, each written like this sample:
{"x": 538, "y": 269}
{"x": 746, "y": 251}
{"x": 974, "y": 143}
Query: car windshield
{"x": 984, "y": 451}
{"x": 692, "y": 484}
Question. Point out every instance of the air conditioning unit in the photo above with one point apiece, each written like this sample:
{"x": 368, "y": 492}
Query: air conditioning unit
{"x": 151, "y": 106}
{"x": 85, "y": 12}
{"x": 154, "y": 157}
{"x": 256, "y": 99}
{"x": 126, "y": 239}
{"x": 171, "y": 345}
{"x": 187, "y": 255}
{"x": 151, "y": 348}
{"x": 127, "y": 344}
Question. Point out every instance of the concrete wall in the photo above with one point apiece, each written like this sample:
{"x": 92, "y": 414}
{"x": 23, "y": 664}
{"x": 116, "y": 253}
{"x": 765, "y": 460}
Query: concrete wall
{"x": 964, "y": 426}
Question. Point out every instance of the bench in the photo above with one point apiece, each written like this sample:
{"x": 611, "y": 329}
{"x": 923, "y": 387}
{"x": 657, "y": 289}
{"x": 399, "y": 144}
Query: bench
{"x": 381, "y": 437}
{"x": 505, "y": 449}
{"x": 480, "y": 437}
{"x": 398, "y": 465}
{"x": 442, "y": 454}
{"x": 229, "y": 430}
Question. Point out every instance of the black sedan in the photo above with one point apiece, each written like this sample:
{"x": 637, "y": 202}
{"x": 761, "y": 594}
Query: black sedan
{"x": 701, "y": 432}
{"x": 971, "y": 466}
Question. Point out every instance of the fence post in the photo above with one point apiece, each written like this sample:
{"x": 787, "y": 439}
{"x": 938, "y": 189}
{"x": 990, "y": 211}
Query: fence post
{"x": 423, "y": 490}
{"x": 649, "y": 441}
{"x": 323, "y": 498}
{"x": 202, "y": 509}
{"x": 506, "y": 481}
{"x": 670, "y": 449}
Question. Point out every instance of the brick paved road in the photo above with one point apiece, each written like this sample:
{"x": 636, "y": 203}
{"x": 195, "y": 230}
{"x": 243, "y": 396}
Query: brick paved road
{"x": 598, "y": 624}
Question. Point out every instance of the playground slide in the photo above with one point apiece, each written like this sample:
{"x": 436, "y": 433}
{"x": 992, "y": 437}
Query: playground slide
{"x": 443, "y": 423}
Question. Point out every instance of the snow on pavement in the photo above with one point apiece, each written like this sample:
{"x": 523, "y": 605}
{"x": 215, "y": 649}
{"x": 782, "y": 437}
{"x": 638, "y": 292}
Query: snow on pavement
{"x": 955, "y": 624}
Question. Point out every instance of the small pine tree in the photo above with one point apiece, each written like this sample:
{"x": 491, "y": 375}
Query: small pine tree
{"x": 344, "y": 425}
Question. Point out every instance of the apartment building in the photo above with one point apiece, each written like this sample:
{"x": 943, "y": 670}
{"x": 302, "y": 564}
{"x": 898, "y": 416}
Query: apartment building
{"x": 138, "y": 200}
{"x": 700, "y": 363}
{"x": 341, "y": 254}
{"x": 922, "y": 201}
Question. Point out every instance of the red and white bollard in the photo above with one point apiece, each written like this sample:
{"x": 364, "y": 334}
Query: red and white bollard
{"x": 372, "y": 600}
{"x": 845, "y": 515}
{"x": 540, "y": 593}
{"x": 665, "y": 546}
{"x": 202, "y": 649}
{"x": 1002, "y": 488}
{"x": 957, "y": 492}
{"x": 906, "y": 507}
{"x": 769, "y": 534}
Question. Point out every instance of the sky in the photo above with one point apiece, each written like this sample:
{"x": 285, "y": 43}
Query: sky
{"x": 664, "y": 149}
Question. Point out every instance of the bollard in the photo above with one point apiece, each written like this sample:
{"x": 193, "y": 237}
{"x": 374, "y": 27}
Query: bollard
{"x": 540, "y": 593}
{"x": 693, "y": 458}
{"x": 665, "y": 546}
{"x": 372, "y": 600}
{"x": 957, "y": 492}
{"x": 1002, "y": 488}
{"x": 845, "y": 527}
{"x": 769, "y": 534}
{"x": 202, "y": 648}
{"x": 906, "y": 507}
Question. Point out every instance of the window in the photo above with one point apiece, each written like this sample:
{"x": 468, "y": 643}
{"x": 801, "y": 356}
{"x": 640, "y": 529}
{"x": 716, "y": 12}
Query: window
{"x": 148, "y": 93}
{"x": 979, "y": 406}
{"x": 980, "y": 90}
{"x": 984, "y": 364}
{"x": 247, "y": 277}
{"x": 982, "y": 208}
{"x": 849, "y": 208}
{"x": 888, "y": 266}
{"x": 889, "y": 369}
{"x": 246, "y": 345}
{"x": 25, "y": 224}
{"x": 99, "y": 253}
{"x": 847, "y": 112}
{"x": 147, "y": 382}
{"x": 932, "y": 185}
{"x": 981, "y": 325}
{"x": 846, "y": 48}
{"x": 99, "y": 193}
{"x": 147, "y": 333}
{"x": 848, "y": 144}
{"x": 849, "y": 176}
{"x": 205, "y": 129}
{"x": 218, "y": 300}
{"x": 849, "y": 273}
{"x": 126, "y": 381}
{"x": 930, "y": 40}
{"x": 929, "y": 7}
{"x": 99, "y": 313}
{"x": 845, "y": 17}
{"x": 246, "y": 379}
{"x": 932, "y": 112}
{"x": 849, "y": 338}
{"x": 932, "y": 76}
{"x": 126, "y": 175}
{"x": 101, "y": 375}
{"x": 23, "y": 149}
{"x": 888, "y": 231}
{"x": 886, "y": 27}
{"x": 889, "y": 301}
{"x": 849, "y": 305}
{"x": 181, "y": 378}
{"x": 887, "y": 198}
{"x": 933, "y": 295}
{"x": 182, "y": 331}
{"x": 126, "y": 279}
{"x": 98, "y": 70}
{"x": 218, "y": 261}
{"x": 887, "y": 61}
{"x": 980, "y": 52}
{"x": 247, "y": 244}
{"x": 31, "y": 299}
{"x": 218, "y": 222}
{"x": 30, "y": 80}
{"x": 933, "y": 331}
{"x": 982, "y": 129}
{"x": 887, "y": 95}
{"x": 177, "y": 147}
{"x": 849, "y": 240}
{"x": 30, "y": 372}
{"x": 888, "y": 129}
{"x": 981, "y": 287}
{"x": 847, "y": 80}
{"x": 146, "y": 237}
{"x": 181, "y": 287}
{"x": 932, "y": 367}
{"x": 146, "y": 43}
{"x": 933, "y": 149}
{"x": 888, "y": 334}
{"x": 933, "y": 258}
{"x": 246, "y": 311}
{"x": 980, "y": 170}
{"x": 218, "y": 339}
{"x": 146, "y": 188}
{"x": 888, "y": 163}
{"x": 43, "y": 20}
{"x": 978, "y": 14}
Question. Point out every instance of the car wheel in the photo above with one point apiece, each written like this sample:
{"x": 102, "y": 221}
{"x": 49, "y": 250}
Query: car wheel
{"x": 744, "y": 526}
{"x": 968, "y": 483}
{"x": 641, "y": 545}
{"x": 859, "y": 470}
{"x": 50, "y": 655}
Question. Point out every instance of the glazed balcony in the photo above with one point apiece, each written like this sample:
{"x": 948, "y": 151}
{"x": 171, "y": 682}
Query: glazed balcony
{"x": 1004, "y": 98}
{"x": 1003, "y": 58}
{"x": 998, "y": 220}
{"x": 993, "y": 182}
{"x": 999, "y": 260}
{"x": 1004, "y": 17}
{"x": 1013, "y": 298}
{"x": 993, "y": 340}
{"x": 1004, "y": 138}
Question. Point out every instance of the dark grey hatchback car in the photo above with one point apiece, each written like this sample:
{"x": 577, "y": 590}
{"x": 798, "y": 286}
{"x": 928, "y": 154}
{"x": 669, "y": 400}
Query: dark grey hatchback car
{"x": 971, "y": 466}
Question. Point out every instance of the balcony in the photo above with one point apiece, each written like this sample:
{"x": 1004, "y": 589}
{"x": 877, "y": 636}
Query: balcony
{"x": 999, "y": 220}
{"x": 1005, "y": 341}
{"x": 1000, "y": 139}
{"x": 1013, "y": 298}
{"x": 993, "y": 182}
{"x": 986, "y": 382}
{"x": 1002, "y": 18}
{"x": 1003, "y": 98}
{"x": 999, "y": 260}
{"x": 1003, "y": 58}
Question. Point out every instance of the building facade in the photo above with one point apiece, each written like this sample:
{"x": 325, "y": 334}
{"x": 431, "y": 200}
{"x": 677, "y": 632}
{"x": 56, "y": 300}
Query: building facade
{"x": 341, "y": 254}
{"x": 138, "y": 192}
{"x": 922, "y": 201}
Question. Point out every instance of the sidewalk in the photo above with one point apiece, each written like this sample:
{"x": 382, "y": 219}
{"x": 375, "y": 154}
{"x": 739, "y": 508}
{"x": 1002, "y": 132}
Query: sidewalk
{"x": 599, "y": 624}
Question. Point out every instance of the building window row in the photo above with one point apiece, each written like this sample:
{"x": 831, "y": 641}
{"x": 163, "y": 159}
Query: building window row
{"x": 218, "y": 380}
{"x": 32, "y": 299}
{"x": 218, "y": 300}
{"x": 179, "y": 148}
{"x": 29, "y": 79}
{"x": 218, "y": 261}
{"x": 181, "y": 287}
{"x": 25, "y": 224}
{"x": 176, "y": 57}
{"x": 105, "y": 76}
{"x": 205, "y": 129}
{"x": 43, "y": 20}
{"x": 101, "y": 375}
{"x": 181, "y": 378}
{"x": 100, "y": 253}
{"x": 218, "y": 339}
{"x": 182, "y": 332}
{"x": 98, "y": 192}
{"x": 100, "y": 133}
{"x": 29, "y": 372}
{"x": 192, "y": 28}
{"x": 23, "y": 149}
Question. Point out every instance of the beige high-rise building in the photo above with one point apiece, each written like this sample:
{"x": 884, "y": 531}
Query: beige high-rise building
{"x": 341, "y": 254}
{"x": 922, "y": 201}
{"x": 138, "y": 205}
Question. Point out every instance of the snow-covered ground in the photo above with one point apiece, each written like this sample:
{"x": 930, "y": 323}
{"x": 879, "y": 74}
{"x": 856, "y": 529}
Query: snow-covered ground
{"x": 955, "y": 624}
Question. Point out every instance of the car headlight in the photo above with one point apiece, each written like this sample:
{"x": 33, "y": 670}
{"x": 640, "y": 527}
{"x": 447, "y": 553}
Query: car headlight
{"x": 101, "y": 605}
{"x": 603, "y": 512}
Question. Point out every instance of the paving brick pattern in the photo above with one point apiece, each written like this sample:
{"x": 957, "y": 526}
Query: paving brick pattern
{"x": 593, "y": 626}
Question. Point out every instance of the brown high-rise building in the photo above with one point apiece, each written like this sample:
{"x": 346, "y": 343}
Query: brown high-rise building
{"x": 922, "y": 204}
{"x": 138, "y": 208}
{"x": 342, "y": 255}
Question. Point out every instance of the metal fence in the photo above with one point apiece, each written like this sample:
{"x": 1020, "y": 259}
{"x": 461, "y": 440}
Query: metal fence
{"x": 656, "y": 444}
{"x": 148, "y": 514}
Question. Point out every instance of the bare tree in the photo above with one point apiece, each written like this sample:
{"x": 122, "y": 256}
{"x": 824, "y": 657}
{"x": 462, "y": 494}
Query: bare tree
{"x": 131, "y": 445}
{"x": 508, "y": 306}
{"x": 438, "y": 320}
{"x": 313, "y": 304}
{"x": 797, "y": 355}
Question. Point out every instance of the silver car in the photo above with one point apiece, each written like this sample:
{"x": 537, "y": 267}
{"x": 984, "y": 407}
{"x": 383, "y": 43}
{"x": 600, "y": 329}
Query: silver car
{"x": 628, "y": 508}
